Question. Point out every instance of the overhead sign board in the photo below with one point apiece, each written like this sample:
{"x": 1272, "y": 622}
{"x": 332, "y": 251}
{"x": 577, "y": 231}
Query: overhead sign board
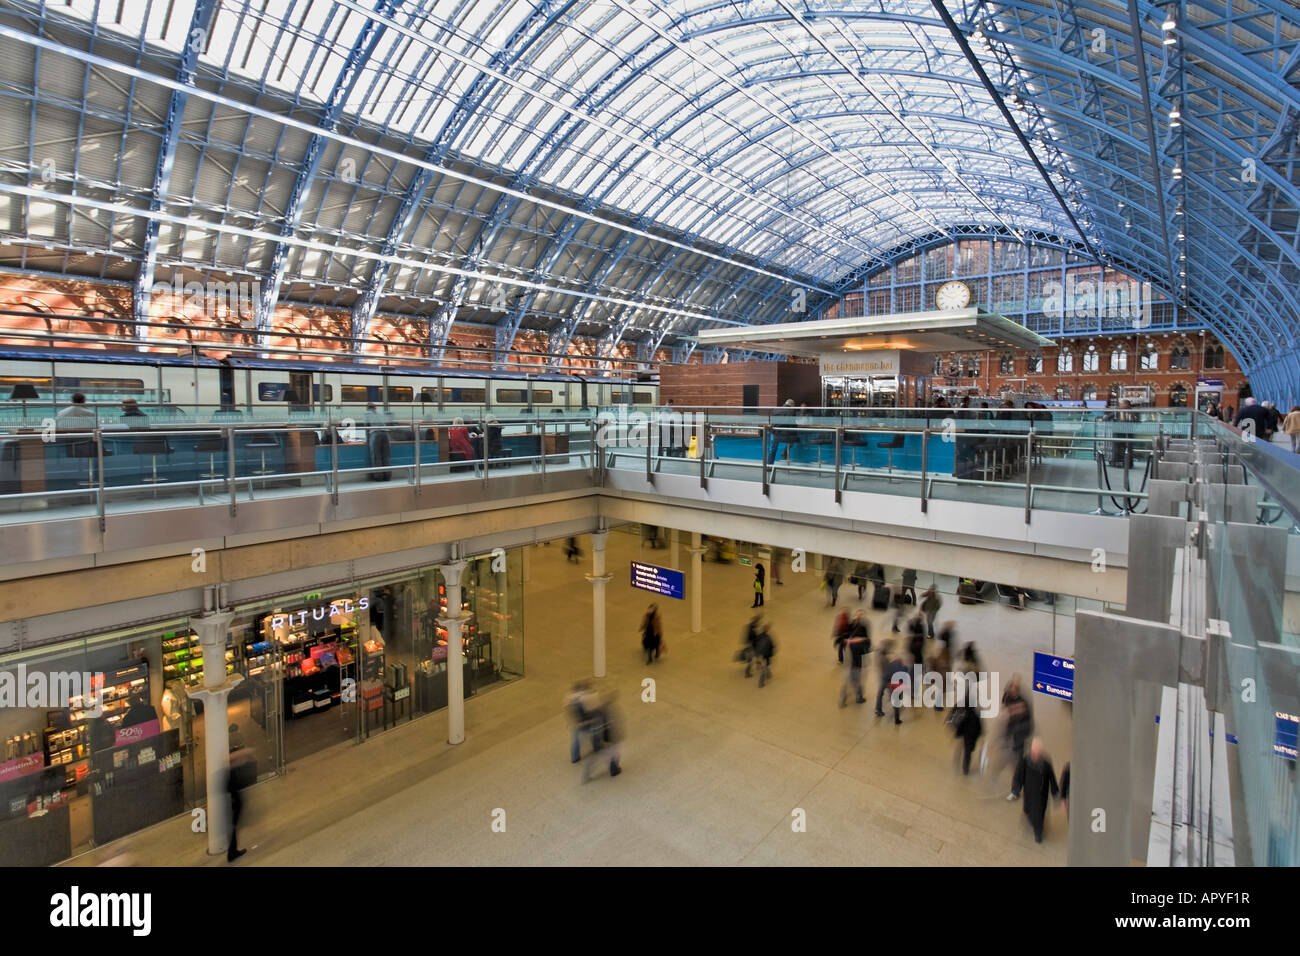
{"x": 870, "y": 362}
{"x": 657, "y": 580}
{"x": 1285, "y": 734}
{"x": 1054, "y": 675}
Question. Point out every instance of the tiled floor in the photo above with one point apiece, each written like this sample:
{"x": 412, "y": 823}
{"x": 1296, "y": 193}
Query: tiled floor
{"x": 714, "y": 768}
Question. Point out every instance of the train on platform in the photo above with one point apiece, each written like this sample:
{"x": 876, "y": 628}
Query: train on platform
{"x": 184, "y": 384}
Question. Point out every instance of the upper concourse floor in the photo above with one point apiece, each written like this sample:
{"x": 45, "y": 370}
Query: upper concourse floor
{"x": 1032, "y": 500}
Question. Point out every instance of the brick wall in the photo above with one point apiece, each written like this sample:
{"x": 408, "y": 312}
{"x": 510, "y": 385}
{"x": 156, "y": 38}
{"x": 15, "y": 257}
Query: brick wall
{"x": 1163, "y": 379}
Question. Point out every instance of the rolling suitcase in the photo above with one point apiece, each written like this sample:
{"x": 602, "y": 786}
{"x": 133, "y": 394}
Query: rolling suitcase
{"x": 880, "y": 597}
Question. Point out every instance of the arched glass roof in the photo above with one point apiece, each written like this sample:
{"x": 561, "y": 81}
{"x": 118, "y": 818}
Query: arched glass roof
{"x": 637, "y": 169}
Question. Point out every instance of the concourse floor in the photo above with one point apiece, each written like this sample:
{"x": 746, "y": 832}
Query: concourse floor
{"x": 714, "y": 768}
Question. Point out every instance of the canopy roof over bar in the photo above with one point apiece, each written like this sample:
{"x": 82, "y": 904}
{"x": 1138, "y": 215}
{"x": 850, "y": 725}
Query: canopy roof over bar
{"x": 949, "y": 330}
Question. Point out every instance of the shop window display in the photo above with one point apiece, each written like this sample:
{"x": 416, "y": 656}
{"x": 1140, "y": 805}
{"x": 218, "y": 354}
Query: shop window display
{"x": 89, "y": 756}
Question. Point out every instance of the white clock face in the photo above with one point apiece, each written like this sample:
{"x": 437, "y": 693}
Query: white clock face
{"x": 952, "y": 295}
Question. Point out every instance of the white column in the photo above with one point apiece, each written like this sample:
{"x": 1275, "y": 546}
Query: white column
{"x": 212, "y": 630}
{"x": 598, "y": 579}
{"x": 453, "y": 621}
{"x": 697, "y": 583}
{"x": 672, "y": 550}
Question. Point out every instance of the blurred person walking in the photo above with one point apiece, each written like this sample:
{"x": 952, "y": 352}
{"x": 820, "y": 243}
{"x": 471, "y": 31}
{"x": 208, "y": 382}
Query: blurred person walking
{"x": 859, "y": 578}
{"x": 610, "y": 734}
{"x": 909, "y": 586}
{"x": 1037, "y": 780}
{"x": 583, "y": 708}
{"x": 572, "y": 552}
{"x": 1019, "y": 726}
{"x": 652, "y": 634}
{"x": 840, "y": 634}
{"x": 892, "y": 672}
{"x": 1290, "y": 425}
{"x": 859, "y": 645}
{"x": 833, "y": 578}
{"x": 930, "y": 605}
{"x": 241, "y": 775}
{"x": 965, "y": 718}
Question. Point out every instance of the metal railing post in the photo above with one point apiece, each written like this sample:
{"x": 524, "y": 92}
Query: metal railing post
{"x": 768, "y": 434}
{"x": 541, "y": 447}
{"x": 701, "y": 449}
{"x": 230, "y": 468}
{"x": 839, "y": 454}
{"x": 925, "y": 463}
{"x": 99, "y": 467}
{"x": 1029, "y": 488}
{"x": 334, "y": 464}
{"x": 649, "y": 450}
{"x": 487, "y": 453}
{"x": 415, "y": 430}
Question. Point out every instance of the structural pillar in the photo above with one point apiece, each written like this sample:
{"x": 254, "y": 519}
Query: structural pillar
{"x": 528, "y": 562}
{"x": 697, "y": 583}
{"x": 598, "y": 579}
{"x": 454, "y": 621}
{"x": 672, "y": 550}
{"x": 212, "y": 630}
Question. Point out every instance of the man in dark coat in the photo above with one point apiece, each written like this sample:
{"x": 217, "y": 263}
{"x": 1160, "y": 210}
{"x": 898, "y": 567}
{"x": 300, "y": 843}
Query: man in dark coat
{"x": 1036, "y": 779}
{"x": 1257, "y": 416}
{"x": 969, "y": 726}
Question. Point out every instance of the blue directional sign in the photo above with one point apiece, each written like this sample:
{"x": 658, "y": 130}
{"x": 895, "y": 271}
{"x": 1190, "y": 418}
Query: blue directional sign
{"x": 663, "y": 581}
{"x": 1053, "y": 675}
{"x": 1285, "y": 734}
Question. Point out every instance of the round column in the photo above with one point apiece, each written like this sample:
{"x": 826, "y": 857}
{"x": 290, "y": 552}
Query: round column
{"x": 697, "y": 583}
{"x": 598, "y": 579}
{"x": 454, "y": 621}
{"x": 212, "y": 630}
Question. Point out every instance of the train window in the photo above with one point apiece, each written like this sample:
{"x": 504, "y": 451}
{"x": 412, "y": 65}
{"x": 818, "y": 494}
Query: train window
{"x": 629, "y": 398}
{"x": 329, "y": 393}
{"x": 543, "y": 396}
{"x": 360, "y": 393}
{"x": 103, "y": 388}
{"x": 7, "y": 383}
{"x": 400, "y": 393}
{"x": 512, "y": 396}
{"x": 272, "y": 391}
{"x": 644, "y": 398}
{"x": 91, "y": 387}
{"x": 472, "y": 396}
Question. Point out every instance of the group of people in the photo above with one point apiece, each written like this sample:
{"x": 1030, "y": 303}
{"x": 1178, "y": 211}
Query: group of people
{"x": 1033, "y": 777}
{"x": 1264, "y": 420}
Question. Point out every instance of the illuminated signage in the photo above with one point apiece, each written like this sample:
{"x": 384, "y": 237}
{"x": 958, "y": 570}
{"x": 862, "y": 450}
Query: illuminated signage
{"x": 859, "y": 363}
{"x": 320, "y": 613}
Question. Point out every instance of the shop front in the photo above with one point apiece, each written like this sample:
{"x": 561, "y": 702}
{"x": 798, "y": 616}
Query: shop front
{"x": 104, "y": 735}
{"x": 873, "y": 378}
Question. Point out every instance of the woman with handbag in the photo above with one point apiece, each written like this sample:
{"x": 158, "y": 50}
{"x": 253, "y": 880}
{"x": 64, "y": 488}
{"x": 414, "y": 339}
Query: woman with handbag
{"x": 760, "y": 580}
